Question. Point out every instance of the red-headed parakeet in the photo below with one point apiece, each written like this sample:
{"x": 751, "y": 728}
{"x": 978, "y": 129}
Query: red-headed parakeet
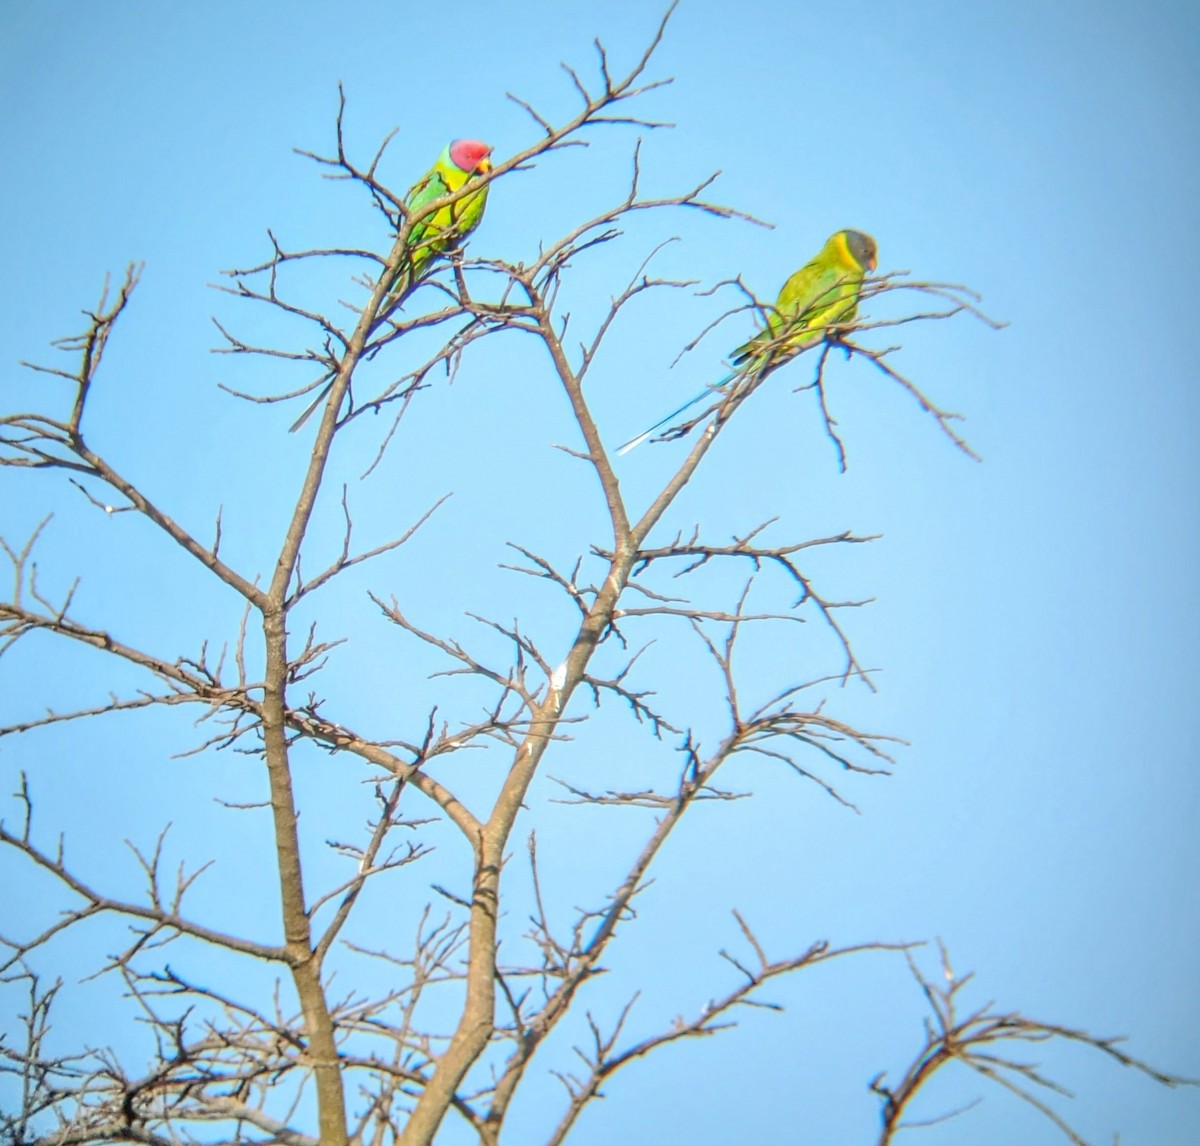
{"x": 444, "y": 229}
{"x": 436, "y": 234}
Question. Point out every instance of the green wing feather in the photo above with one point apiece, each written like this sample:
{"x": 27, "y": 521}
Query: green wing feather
{"x": 424, "y": 233}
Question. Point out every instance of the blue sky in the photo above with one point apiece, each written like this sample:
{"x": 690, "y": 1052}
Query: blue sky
{"x": 1035, "y": 616}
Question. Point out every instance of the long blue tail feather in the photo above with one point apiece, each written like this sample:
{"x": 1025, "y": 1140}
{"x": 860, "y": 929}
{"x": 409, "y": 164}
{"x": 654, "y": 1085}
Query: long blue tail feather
{"x": 707, "y": 392}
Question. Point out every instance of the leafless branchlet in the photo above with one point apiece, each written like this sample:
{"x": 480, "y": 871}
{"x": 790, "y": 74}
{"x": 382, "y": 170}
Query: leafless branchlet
{"x": 987, "y": 1040}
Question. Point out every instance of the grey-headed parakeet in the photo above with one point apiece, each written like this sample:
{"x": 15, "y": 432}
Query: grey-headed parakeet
{"x": 821, "y": 295}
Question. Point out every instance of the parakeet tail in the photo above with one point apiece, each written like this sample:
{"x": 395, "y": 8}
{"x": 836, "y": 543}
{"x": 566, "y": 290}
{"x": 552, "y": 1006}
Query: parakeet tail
{"x": 311, "y": 407}
{"x": 707, "y": 392}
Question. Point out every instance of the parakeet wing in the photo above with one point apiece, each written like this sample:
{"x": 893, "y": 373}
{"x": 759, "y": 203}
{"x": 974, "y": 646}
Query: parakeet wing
{"x": 432, "y": 185}
{"x": 808, "y": 300}
{"x": 423, "y": 242}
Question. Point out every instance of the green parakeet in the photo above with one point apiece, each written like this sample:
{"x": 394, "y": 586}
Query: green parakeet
{"x": 822, "y": 294}
{"x": 436, "y": 234}
{"x": 445, "y": 229}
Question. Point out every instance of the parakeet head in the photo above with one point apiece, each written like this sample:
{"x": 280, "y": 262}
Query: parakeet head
{"x": 470, "y": 155}
{"x": 862, "y": 249}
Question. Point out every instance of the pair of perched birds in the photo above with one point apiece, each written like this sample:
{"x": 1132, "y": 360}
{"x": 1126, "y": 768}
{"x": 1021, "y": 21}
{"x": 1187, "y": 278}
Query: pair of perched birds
{"x": 821, "y": 296}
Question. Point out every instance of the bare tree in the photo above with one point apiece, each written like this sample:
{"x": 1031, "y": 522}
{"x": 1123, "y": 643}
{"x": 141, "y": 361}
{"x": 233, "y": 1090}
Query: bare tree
{"x": 357, "y": 1041}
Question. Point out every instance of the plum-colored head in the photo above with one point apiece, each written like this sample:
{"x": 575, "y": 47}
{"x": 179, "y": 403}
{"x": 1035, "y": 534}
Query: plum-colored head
{"x": 470, "y": 155}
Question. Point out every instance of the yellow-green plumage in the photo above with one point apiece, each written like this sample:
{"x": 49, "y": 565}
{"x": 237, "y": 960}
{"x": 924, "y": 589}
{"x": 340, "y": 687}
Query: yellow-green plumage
{"x": 822, "y": 295}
